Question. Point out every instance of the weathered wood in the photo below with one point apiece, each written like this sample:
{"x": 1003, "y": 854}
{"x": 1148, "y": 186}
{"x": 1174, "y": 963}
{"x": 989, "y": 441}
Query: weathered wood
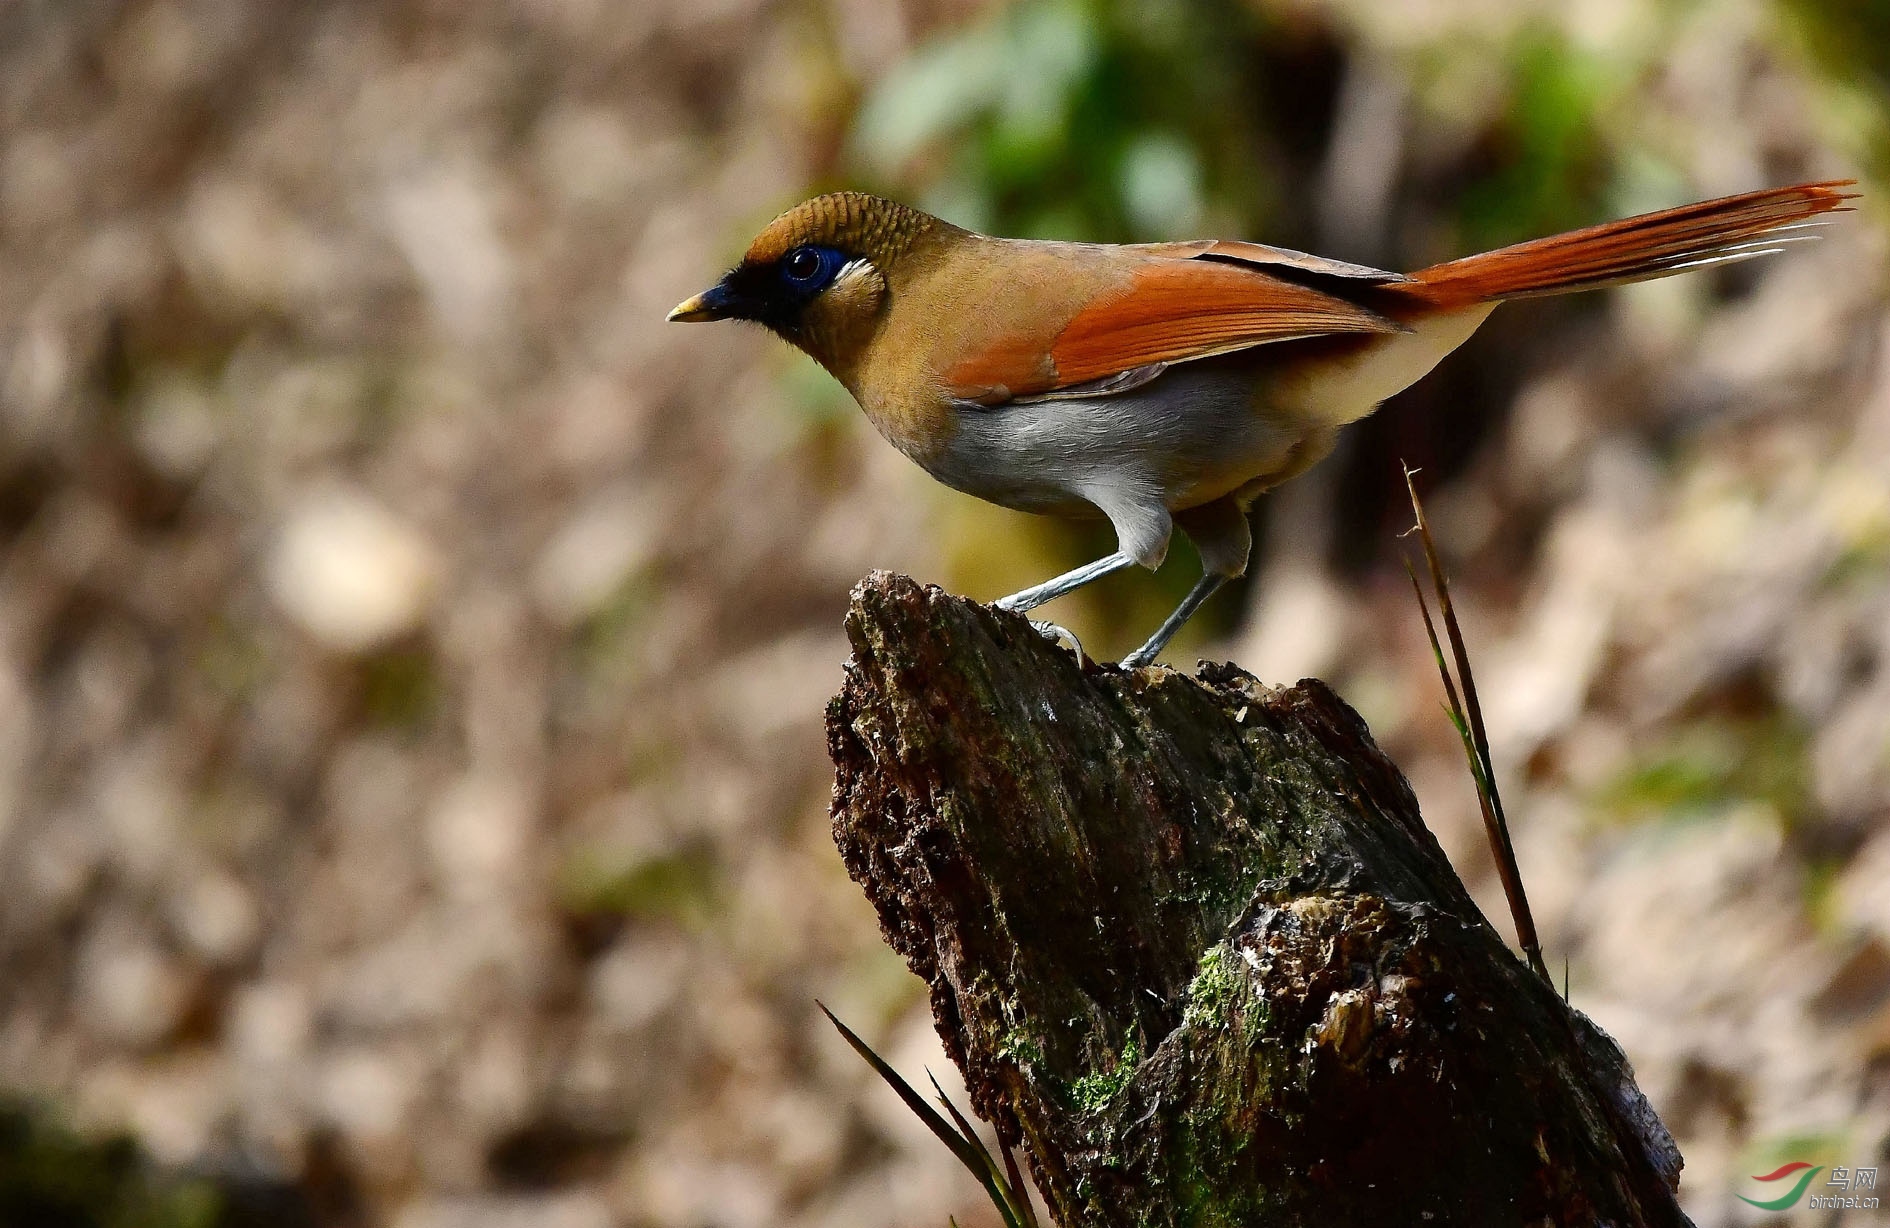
{"x": 1192, "y": 945}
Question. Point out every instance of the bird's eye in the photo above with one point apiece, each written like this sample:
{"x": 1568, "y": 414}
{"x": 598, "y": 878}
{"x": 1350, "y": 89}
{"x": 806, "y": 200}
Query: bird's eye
{"x": 803, "y": 264}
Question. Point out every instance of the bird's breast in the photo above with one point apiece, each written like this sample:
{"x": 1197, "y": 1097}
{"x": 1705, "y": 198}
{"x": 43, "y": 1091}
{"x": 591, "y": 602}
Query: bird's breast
{"x": 922, "y": 423}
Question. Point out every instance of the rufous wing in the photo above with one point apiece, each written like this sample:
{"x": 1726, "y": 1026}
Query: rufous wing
{"x": 1164, "y": 310}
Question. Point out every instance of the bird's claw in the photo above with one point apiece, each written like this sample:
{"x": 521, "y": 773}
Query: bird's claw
{"x": 1056, "y": 634}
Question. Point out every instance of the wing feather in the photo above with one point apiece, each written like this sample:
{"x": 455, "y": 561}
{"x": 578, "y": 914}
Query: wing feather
{"x": 1240, "y": 251}
{"x": 1166, "y": 310}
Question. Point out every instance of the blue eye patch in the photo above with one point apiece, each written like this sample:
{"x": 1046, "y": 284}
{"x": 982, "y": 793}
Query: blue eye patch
{"x": 808, "y": 269}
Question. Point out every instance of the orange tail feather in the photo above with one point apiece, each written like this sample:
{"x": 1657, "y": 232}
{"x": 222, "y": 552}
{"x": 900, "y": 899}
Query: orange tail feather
{"x": 1640, "y": 248}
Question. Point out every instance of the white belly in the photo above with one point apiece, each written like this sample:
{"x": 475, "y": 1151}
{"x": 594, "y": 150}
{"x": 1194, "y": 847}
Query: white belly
{"x": 1194, "y": 428}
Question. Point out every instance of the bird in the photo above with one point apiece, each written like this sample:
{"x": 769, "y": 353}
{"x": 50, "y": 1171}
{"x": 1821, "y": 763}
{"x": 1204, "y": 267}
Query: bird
{"x": 1161, "y": 386}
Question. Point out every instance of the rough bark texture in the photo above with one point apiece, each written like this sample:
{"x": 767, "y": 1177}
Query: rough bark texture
{"x": 1192, "y": 945}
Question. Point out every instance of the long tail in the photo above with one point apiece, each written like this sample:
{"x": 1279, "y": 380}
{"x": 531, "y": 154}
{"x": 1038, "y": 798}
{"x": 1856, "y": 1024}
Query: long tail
{"x": 1721, "y": 231}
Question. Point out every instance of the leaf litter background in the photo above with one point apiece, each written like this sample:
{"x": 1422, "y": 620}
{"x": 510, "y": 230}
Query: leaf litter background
{"x": 412, "y": 799}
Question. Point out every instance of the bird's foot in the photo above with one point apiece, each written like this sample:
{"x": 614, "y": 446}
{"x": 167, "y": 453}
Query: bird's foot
{"x": 1056, "y": 635}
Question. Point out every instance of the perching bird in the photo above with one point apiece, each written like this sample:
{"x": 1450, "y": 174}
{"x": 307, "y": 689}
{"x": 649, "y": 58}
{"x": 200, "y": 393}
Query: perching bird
{"x": 1159, "y": 384}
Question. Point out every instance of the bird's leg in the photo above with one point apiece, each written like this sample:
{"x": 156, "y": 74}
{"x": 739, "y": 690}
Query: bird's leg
{"x": 1142, "y": 527}
{"x": 1068, "y": 582}
{"x": 1203, "y": 588}
{"x": 1221, "y": 534}
{"x": 1056, "y": 587}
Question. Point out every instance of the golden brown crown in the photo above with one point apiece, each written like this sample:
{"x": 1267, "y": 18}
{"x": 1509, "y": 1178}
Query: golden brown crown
{"x": 853, "y": 222}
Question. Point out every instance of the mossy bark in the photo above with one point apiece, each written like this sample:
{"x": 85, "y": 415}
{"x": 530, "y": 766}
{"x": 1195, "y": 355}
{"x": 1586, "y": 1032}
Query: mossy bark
{"x": 1193, "y": 947}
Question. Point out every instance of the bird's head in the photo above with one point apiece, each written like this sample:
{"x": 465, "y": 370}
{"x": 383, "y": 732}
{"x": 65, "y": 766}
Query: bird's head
{"x": 823, "y": 274}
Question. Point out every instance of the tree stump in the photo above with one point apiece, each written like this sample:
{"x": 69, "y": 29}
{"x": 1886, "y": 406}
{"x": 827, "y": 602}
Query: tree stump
{"x": 1194, "y": 949}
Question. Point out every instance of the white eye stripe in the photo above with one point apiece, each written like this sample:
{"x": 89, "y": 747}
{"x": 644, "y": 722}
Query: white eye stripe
{"x": 854, "y": 267}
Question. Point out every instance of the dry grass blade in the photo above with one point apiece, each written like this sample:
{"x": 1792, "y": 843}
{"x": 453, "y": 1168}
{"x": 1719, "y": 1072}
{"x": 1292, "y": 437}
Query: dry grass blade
{"x": 1005, "y": 1194}
{"x": 1467, "y": 716}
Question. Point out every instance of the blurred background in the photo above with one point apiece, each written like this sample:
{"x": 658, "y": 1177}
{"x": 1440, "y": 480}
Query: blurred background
{"x": 413, "y": 652}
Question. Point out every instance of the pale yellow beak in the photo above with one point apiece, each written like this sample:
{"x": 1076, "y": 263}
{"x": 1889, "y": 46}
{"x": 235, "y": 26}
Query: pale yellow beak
{"x": 694, "y": 310}
{"x": 721, "y": 301}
